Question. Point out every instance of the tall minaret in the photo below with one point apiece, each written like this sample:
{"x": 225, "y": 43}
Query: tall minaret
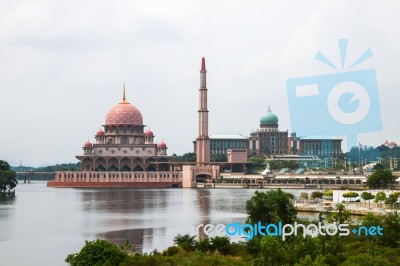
{"x": 203, "y": 141}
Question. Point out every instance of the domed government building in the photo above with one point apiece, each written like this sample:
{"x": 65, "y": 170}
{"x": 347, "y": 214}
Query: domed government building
{"x": 268, "y": 139}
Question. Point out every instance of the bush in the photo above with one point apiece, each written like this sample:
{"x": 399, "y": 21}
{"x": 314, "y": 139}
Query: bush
{"x": 97, "y": 252}
{"x": 171, "y": 251}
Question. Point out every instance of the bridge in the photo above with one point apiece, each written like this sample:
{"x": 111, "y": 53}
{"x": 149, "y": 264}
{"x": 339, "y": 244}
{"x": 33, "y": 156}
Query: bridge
{"x": 27, "y": 176}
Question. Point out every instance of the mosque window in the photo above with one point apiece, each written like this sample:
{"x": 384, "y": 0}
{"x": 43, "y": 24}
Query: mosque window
{"x": 124, "y": 140}
{"x": 109, "y": 140}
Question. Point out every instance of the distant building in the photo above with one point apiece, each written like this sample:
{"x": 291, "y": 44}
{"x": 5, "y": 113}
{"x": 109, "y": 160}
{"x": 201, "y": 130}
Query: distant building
{"x": 219, "y": 144}
{"x": 268, "y": 139}
{"x": 237, "y": 156}
{"x": 390, "y": 144}
{"x": 321, "y": 147}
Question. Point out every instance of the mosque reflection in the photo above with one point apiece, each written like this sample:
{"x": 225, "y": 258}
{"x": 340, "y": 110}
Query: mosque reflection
{"x": 145, "y": 216}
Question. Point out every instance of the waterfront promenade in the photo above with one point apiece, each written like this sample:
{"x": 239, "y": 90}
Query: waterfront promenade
{"x": 355, "y": 208}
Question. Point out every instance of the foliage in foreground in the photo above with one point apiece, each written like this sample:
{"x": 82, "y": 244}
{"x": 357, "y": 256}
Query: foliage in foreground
{"x": 8, "y": 179}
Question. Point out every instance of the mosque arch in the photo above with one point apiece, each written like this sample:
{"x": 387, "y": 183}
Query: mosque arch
{"x": 100, "y": 165}
{"x": 137, "y": 165}
{"x": 113, "y": 165}
{"x": 138, "y": 168}
{"x": 87, "y": 164}
{"x": 125, "y": 165}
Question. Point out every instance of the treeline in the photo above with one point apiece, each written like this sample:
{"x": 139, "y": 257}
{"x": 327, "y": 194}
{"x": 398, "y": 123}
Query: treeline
{"x": 370, "y": 154}
{"x": 50, "y": 168}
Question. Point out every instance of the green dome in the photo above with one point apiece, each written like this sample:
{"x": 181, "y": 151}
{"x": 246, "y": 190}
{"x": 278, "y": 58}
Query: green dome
{"x": 269, "y": 118}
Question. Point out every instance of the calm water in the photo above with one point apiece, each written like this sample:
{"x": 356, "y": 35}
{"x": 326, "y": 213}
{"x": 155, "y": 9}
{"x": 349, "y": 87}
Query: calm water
{"x": 42, "y": 225}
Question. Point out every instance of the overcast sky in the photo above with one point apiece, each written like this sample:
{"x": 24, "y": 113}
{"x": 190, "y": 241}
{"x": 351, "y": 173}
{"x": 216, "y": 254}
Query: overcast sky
{"x": 63, "y": 63}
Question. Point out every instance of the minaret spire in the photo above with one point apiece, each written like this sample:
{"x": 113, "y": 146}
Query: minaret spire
{"x": 203, "y": 140}
{"x": 123, "y": 93}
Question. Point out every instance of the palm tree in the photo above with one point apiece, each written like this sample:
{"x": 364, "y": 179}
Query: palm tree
{"x": 186, "y": 241}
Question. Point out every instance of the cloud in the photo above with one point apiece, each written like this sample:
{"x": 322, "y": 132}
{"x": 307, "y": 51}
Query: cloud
{"x": 64, "y": 62}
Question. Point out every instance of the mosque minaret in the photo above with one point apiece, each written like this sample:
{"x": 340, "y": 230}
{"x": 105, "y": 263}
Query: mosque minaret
{"x": 203, "y": 140}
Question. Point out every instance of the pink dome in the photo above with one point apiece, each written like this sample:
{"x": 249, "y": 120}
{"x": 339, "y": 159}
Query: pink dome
{"x": 100, "y": 132}
{"x": 161, "y": 145}
{"x": 124, "y": 113}
{"x": 149, "y": 133}
{"x": 87, "y": 144}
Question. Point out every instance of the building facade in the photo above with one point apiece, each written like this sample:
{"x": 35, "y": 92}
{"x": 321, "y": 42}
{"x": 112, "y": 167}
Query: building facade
{"x": 219, "y": 144}
{"x": 268, "y": 139}
{"x": 321, "y": 147}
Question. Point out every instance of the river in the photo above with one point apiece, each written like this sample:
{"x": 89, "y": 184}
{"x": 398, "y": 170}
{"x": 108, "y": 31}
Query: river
{"x": 42, "y": 225}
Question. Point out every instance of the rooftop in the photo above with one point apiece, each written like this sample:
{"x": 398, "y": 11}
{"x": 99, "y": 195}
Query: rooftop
{"x": 237, "y": 136}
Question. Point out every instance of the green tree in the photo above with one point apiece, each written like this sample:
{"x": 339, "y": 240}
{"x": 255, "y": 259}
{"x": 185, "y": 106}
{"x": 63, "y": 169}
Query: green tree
{"x": 273, "y": 251}
{"x": 391, "y": 230}
{"x": 270, "y": 207}
{"x": 187, "y": 157}
{"x": 329, "y": 194}
{"x": 8, "y": 180}
{"x": 304, "y": 196}
{"x": 219, "y": 158}
{"x": 257, "y": 159}
{"x": 341, "y": 215}
{"x": 97, "y": 252}
{"x": 350, "y": 194}
{"x": 222, "y": 244}
{"x": 317, "y": 195}
{"x": 367, "y": 196}
{"x": 381, "y": 179}
{"x": 380, "y": 197}
{"x": 378, "y": 166}
{"x": 393, "y": 198}
{"x": 186, "y": 242}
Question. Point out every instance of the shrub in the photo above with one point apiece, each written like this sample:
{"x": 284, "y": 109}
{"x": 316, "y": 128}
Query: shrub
{"x": 97, "y": 252}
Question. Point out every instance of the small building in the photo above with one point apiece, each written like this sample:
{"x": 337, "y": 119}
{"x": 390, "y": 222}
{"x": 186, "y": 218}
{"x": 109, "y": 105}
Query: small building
{"x": 237, "y": 156}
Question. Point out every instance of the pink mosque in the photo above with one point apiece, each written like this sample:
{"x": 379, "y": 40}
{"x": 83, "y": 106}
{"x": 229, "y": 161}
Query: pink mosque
{"x": 125, "y": 155}
{"x": 123, "y": 145}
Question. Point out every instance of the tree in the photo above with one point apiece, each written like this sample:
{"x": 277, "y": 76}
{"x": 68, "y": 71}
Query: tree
{"x": 392, "y": 198}
{"x": 367, "y": 196}
{"x": 304, "y": 196}
{"x": 329, "y": 194}
{"x": 378, "y": 166}
{"x": 391, "y": 229}
{"x": 187, "y": 242}
{"x": 97, "y": 252}
{"x": 8, "y": 180}
{"x": 257, "y": 159}
{"x": 317, "y": 195}
{"x": 222, "y": 244}
{"x": 341, "y": 215}
{"x": 380, "y": 197}
{"x": 381, "y": 179}
{"x": 271, "y": 207}
{"x": 187, "y": 157}
{"x": 350, "y": 194}
{"x": 219, "y": 158}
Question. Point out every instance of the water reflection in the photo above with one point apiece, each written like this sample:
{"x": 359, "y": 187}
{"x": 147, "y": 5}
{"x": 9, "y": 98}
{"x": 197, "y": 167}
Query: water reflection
{"x": 56, "y": 221}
